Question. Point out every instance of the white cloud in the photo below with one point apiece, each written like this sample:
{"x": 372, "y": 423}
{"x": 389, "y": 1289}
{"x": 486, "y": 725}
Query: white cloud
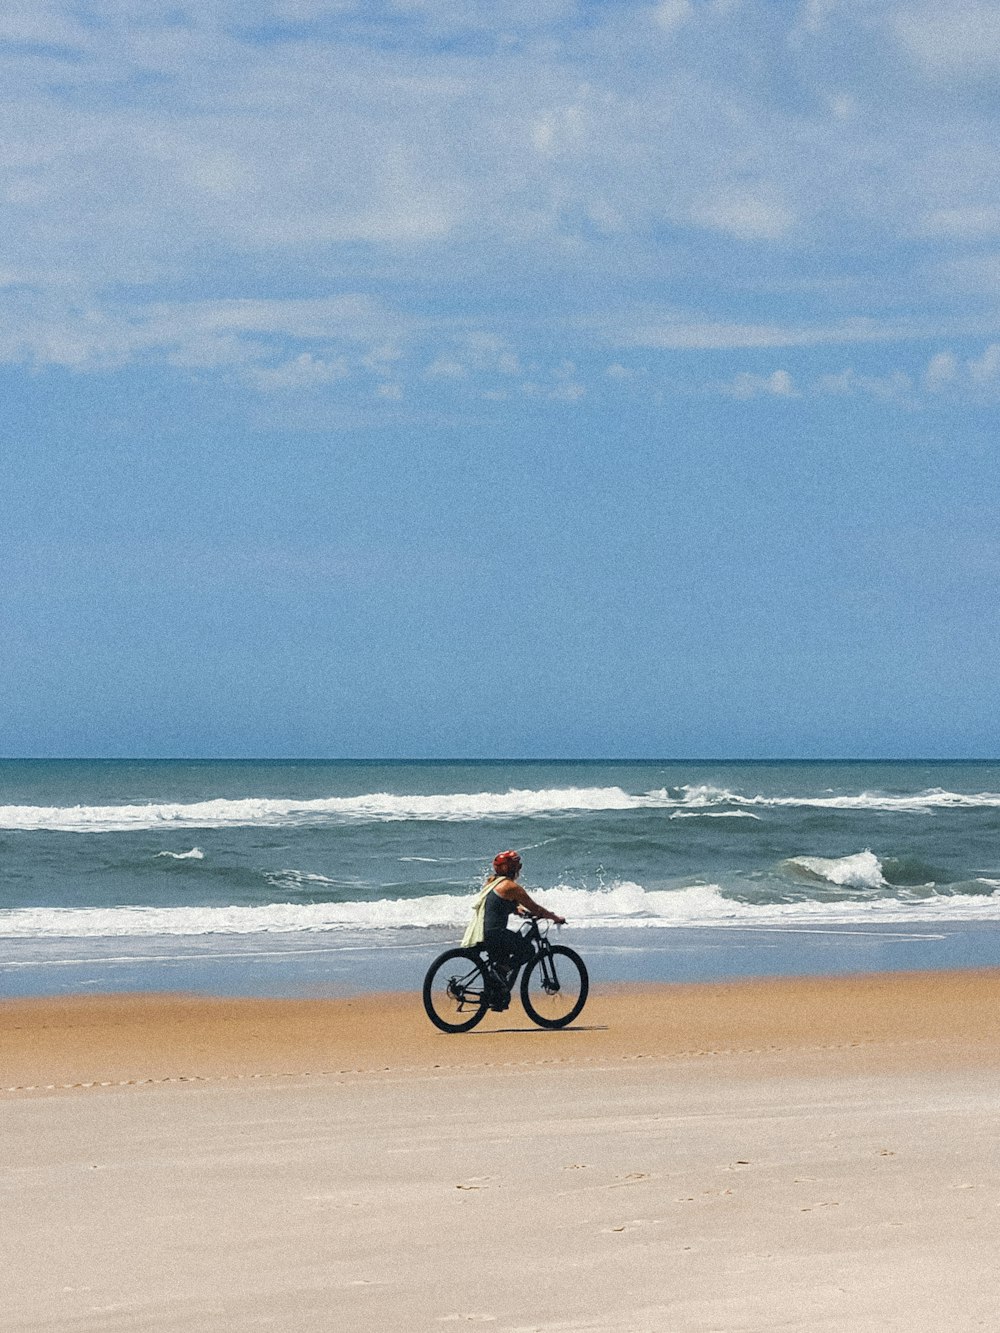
{"x": 680, "y": 332}
{"x": 897, "y": 386}
{"x": 959, "y": 37}
{"x": 986, "y": 368}
{"x": 843, "y": 105}
{"x": 946, "y": 373}
{"x": 671, "y": 14}
{"x": 289, "y": 148}
{"x": 309, "y": 11}
{"x": 301, "y": 372}
{"x": 745, "y": 217}
{"x": 507, "y": 18}
{"x": 967, "y": 223}
{"x": 559, "y": 132}
{"x": 354, "y": 316}
{"x": 778, "y": 384}
{"x": 567, "y": 392}
{"x": 446, "y": 367}
{"x": 382, "y": 358}
{"x": 151, "y": 148}
{"x": 39, "y": 22}
{"x": 944, "y": 376}
{"x": 86, "y": 333}
{"x": 813, "y": 16}
{"x": 842, "y": 382}
{"x": 942, "y": 370}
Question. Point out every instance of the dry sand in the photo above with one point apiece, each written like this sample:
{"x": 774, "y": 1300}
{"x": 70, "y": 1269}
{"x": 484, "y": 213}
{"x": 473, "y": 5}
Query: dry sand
{"x": 785, "y": 1155}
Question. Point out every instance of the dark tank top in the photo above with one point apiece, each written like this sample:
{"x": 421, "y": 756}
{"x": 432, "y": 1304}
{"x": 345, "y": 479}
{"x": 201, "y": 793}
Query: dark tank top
{"x": 497, "y": 912}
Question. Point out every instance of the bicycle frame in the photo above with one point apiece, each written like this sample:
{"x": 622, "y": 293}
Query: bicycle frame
{"x": 464, "y": 994}
{"x": 543, "y": 950}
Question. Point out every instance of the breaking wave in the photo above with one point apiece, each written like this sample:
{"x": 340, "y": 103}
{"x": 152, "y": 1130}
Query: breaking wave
{"x": 863, "y": 870}
{"x": 621, "y": 905}
{"x": 378, "y": 807}
{"x": 934, "y": 798}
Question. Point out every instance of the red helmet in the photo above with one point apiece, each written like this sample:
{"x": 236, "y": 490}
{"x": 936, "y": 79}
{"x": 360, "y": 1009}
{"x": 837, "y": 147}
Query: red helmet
{"x": 507, "y": 864}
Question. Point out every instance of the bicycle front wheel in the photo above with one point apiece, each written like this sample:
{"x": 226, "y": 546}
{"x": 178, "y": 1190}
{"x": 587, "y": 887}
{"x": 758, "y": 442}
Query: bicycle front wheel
{"x": 554, "y": 988}
{"x": 455, "y": 991}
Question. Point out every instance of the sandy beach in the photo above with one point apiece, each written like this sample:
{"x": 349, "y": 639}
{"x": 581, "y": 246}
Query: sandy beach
{"x": 807, "y": 1154}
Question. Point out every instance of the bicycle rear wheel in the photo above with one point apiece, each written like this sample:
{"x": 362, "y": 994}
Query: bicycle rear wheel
{"x": 455, "y": 990}
{"x": 554, "y": 987}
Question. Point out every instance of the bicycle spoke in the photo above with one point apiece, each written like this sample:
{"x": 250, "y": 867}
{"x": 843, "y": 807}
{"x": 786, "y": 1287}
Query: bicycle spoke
{"x": 455, "y": 991}
{"x": 554, "y": 987}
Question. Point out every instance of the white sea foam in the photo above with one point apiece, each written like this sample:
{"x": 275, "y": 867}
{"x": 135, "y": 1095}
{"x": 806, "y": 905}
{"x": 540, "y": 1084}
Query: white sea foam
{"x": 935, "y": 798}
{"x": 294, "y": 879}
{"x": 863, "y": 870}
{"x": 618, "y": 906}
{"x": 714, "y": 814}
{"x": 375, "y": 807}
{"x": 195, "y": 854}
{"x": 371, "y": 807}
{"x": 380, "y": 807}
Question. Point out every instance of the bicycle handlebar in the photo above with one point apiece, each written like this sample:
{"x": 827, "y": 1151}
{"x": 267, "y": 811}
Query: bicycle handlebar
{"x": 534, "y": 924}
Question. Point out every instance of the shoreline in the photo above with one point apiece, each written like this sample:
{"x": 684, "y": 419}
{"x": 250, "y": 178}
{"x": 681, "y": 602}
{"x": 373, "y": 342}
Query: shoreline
{"x": 939, "y": 1019}
{"x": 347, "y": 964}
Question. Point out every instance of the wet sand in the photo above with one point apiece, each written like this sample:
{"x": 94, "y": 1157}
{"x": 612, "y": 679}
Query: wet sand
{"x": 807, "y": 1154}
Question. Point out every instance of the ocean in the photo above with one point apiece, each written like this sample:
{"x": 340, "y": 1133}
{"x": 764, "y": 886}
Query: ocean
{"x": 306, "y": 877}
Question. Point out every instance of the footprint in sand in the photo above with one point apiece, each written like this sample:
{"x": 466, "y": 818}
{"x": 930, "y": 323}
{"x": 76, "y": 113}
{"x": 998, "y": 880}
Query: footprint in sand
{"x": 634, "y": 1225}
{"x": 632, "y": 1178}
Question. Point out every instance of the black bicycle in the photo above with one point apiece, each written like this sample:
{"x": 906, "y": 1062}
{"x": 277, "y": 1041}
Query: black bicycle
{"x": 462, "y": 984}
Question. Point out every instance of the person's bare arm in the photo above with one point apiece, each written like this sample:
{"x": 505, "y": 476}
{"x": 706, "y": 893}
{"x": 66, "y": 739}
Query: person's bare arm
{"x": 516, "y": 893}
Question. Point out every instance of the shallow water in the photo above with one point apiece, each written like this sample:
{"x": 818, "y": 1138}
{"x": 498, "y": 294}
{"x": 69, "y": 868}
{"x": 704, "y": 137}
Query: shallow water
{"x": 106, "y": 864}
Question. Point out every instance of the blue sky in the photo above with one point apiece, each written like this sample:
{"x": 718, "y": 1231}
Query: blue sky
{"x": 434, "y": 378}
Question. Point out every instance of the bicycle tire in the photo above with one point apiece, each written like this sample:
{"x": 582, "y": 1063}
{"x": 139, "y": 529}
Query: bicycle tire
{"x": 448, "y": 994}
{"x": 555, "y": 1009}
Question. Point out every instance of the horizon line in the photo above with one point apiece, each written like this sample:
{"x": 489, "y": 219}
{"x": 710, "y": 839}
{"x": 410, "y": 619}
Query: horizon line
{"x": 487, "y": 759}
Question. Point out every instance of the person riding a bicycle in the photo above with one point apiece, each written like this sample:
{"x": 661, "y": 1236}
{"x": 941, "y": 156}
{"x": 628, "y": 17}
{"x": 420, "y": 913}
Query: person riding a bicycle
{"x": 502, "y": 897}
{"x": 463, "y": 983}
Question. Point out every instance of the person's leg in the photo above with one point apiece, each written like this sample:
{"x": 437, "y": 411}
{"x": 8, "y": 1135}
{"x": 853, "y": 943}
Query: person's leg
{"x": 500, "y": 946}
{"x": 522, "y": 952}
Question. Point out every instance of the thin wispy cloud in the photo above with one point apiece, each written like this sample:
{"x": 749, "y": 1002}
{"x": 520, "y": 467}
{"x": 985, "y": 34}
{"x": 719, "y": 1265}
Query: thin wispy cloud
{"x": 272, "y": 184}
